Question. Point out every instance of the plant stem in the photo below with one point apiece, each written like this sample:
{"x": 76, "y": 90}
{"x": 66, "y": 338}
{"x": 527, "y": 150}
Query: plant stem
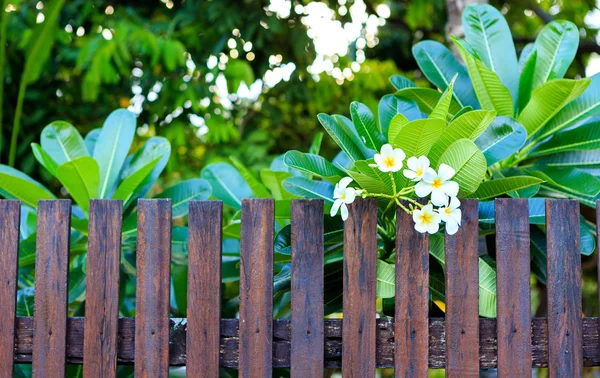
{"x": 393, "y": 183}
{"x": 3, "y": 22}
{"x": 17, "y": 122}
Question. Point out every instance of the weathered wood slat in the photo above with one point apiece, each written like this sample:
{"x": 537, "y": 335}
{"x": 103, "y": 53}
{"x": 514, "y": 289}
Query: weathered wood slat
{"x": 514, "y": 298}
{"x": 10, "y": 217}
{"x": 256, "y": 288}
{"x": 204, "y": 288}
{"x": 307, "y": 335}
{"x": 51, "y": 288}
{"x": 102, "y": 289}
{"x": 462, "y": 296}
{"x": 412, "y": 298}
{"x": 360, "y": 278}
{"x": 153, "y": 268}
{"x": 564, "y": 289}
{"x": 333, "y": 342}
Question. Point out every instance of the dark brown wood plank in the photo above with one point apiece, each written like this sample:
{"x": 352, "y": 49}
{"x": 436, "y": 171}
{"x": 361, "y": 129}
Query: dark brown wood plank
{"x": 307, "y": 337}
{"x": 10, "y": 216}
{"x": 462, "y": 296}
{"x": 153, "y": 267}
{"x": 513, "y": 293}
{"x": 256, "y": 288}
{"x": 360, "y": 279}
{"x": 333, "y": 342}
{"x": 412, "y": 298}
{"x": 204, "y": 288}
{"x": 564, "y": 289}
{"x": 102, "y": 289}
{"x": 51, "y": 288}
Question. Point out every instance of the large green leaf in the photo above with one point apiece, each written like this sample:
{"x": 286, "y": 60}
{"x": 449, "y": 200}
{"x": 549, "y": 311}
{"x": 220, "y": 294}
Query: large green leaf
{"x": 417, "y": 137}
{"x": 259, "y": 190}
{"x": 527, "y": 75}
{"x": 112, "y": 147}
{"x": 273, "y": 180}
{"x": 547, "y": 100}
{"x": 426, "y": 99}
{"x": 536, "y": 206}
{"x": 468, "y": 162}
{"x": 366, "y": 126}
{"x": 495, "y": 188}
{"x": 575, "y": 159}
{"x": 90, "y": 140}
{"x": 439, "y": 66}
{"x": 44, "y": 159}
{"x": 585, "y": 137}
{"x": 227, "y": 184}
{"x": 397, "y": 123}
{"x": 307, "y": 188}
{"x": 400, "y": 82}
{"x": 313, "y": 164}
{"x": 390, "y": 106}
{"x": 182, "y": 193}
{"x": 489, "y": 35}
{"x": 568, "y": 179}
{"x": 501, "y": 139}
{"x": 556, "y": 46}
{"x": 442, "y": 107}
{"x": 62, "y": 142}
{"x": 341, "y": 135}
{"x": 470, "y": 125}
{"x": 583, "y": 107}
{"x": 15, "y": 184}
{"x": 155, "y": 147}
{"x": 128, "y": 186}
{"x": 81, "y": 178}
{"x": 491, "y": 93}
{"x": 386, "y": 280}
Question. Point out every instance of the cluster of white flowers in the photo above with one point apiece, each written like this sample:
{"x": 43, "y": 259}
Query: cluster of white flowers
{"x": 426, "y": 181}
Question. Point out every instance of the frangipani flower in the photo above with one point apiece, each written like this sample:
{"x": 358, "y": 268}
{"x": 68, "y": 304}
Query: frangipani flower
{"x": 343, "y": 196}
{"x": 438, "y": 185}
{"x": 451, "y": 215}
{"x": 417, "y": 168}
{"x": 426, "y": 220}
{"x": 389, "y": 159}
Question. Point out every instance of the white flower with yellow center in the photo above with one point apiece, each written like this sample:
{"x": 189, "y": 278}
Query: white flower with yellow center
{"x": 451, "y": 215}
{"x": 438, "y": 185}
{"x": 417, "y": 166}
{"x": 343, "y": 196}
{"x": 426, "y": 220}
{"x": 389, "y": 159}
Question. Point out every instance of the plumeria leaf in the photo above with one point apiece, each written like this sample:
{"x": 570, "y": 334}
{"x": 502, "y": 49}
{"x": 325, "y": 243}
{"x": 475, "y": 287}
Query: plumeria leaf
{"x": 417, "y": 137}
{"x": 426, "y": 99}
{"x": 585, "y": 137}
{"x": 307, "y": 188}
{"x": 366, "y": 126}
{"x": 556, "y": 46}
{"x": 386, "y": 280}
{"x": 495, "y": 188}
{"x": 341, "y": 135}
{"x": 400, "y": 82}
{"x": 501, "y": 139}
{"x": 568, "y": 179}
{"x": 397, "y": 123}
{"x": 314, "y": 165}
{"x": 441, "y": 108}
{"x": 391, "y": 106}
{"x": 468, "y": 162}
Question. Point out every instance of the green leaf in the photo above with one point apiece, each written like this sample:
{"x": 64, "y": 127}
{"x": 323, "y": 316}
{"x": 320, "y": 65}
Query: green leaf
{"x": 574, "y": 159}
{"x": 491, "y": 93}
{"x": 495, "y": 188}
{"x": 468, "y": 162}
{"x": 585, "y": 137}
{"x": 15, "y": 184}
{"x": 390, "y": 106}
{"x": 366, "y": 126}
{"x": 400, "y": 82}
{"x": 313, "y": 165}
{"x": 273, "y": 181}
{"x": 547, "y": 100}
{"x": 44, "y": 159}
{"x": 181, "y": 194}
{"x": 426, "y": 99}
{"x": 397, "y": 123}
{"x": 386, "y": 280}
{"x": 62, "y": 142}
{"x": 526, "y": 80}
{"x": 441, "y": 108}
{"x": 81, "y": 178}
{"x": 568, "y": 179}
{"x": 439, "y": 66}
{"x": 257, "y": 187}
{"x": 112, "y": 147}
{"x": 536, "y": 206}
{"x": 341, "y": 135}
{"x": 585, "y": 106}
{"x": 315, "y": 146}
{"x": 306, "y": 188}
{"x": 501, "y": 139}
{"x": 470, "y": 125}
{"x": 155, "y": 147}
{"x": 227, "y": 184}
{"x": 128, "y": 186}
{"x": 90, "y": 140}
{"x": 556, "y": 46}
{"x": 417, "y": 137}
{"x": 489, "y": 35}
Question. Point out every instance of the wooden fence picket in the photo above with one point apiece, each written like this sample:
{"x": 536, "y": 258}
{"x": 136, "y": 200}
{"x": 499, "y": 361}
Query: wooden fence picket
{"x": 153, "y": 284}
{"x": 51, "y": 288}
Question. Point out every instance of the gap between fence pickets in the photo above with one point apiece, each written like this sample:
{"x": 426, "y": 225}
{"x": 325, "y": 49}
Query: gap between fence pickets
{"x": 333, "y": 342}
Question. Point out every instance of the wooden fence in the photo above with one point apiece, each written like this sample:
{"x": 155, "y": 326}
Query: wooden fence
{"x": 462, "y": 343}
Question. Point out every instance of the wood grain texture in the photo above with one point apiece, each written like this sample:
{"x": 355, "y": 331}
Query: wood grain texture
{"x": 204, "y": 288}
{"x": 102, "y": 289}
{"x": 51, "y": 288}
{"x": 564, "y": 289}
{"x": 384, "y": 356}
{"x": 513, "y": 292}
{"x": 412, "y": 298}
{"x": 360, "y": 278}
{"x": 153, "y": 267}
{"x": 256, "y": 288}
{"x": 10, "y": 216}
{"x": 307, "y": 330}
{"x": 462, "y": 296}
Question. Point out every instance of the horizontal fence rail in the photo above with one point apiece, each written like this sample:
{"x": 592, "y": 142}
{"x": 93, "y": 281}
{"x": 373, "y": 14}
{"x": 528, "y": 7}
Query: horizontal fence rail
{"x": 411, "y": 342}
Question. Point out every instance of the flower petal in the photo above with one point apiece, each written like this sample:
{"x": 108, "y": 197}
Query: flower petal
{"x": 423, "y": 162}
{"x": 350, "y": 195}
{"x": 450, "y": 188}
{"x": 427, "y": 208}
{"x": 451, "y": 228}
{"x": 422, "y": 189}
{"x": 429, "y": 175}
{"x": 454, "y": 203}
{"x": 344, "y": 211}
{"x": 343, "y": 183}
{"x": 457, "y": 216}
{"x": 378, "y": 159}
{"x": 432, "y": 228}
{"x": 421, "y": 227}
{"x": 412, "y": 163}
{"x": 399, "y": 154}
{"x": 335, "y": 207}
{"x": 438, "y": 197}
{"x": 446, "y": 172}
{"x": 417, "y": 215}
{"x": 409, "y": 174}
{"x": 387, "y": 149}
